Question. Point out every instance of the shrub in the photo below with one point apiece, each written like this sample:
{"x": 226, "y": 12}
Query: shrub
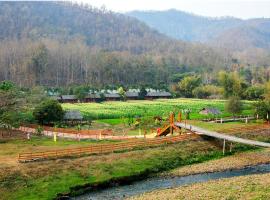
{"x": 262, "y": 108}
{"x": 254, "y": 93}
{"x": 234, "y": 105}
{"x": 48, "y": 111}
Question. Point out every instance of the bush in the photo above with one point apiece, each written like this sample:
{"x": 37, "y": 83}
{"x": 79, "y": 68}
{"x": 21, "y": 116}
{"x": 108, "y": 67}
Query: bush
{"x": 48, "y": 111}
{"x": 7, "y": 85}
{"x": 262, "y": 108}
{"x": 234, "y": 105}
{"x": 254, "y": 93}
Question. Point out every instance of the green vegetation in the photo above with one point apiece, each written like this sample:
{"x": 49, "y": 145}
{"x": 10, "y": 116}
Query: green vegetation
{"x": 234, "y": 105}
{"x": 117, "y": 110}
{"x": 45, "y": 180}
{"x": 263, "y": 109}
{"x": 48, "y": 112}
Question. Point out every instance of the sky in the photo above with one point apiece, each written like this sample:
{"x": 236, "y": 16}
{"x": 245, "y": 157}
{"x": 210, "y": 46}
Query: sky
{"x": 244, "y": 9}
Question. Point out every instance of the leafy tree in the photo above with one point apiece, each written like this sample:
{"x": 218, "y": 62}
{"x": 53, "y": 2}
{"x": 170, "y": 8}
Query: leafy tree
{"x": 12, "y": 101}
{"x": 267, "y": 91}
{"x": 142, "y": 93}
{"x": 234, "y": 105}
{"x": 187, "y": 85}
{"x": 81, "y": 92}
{"x": 48, "y": 111}
{"x": 254, "y": 93}
{"x": 231, "y": 84}
{"x": 262, "y": 108}
{"x": 201, "y": 93}
{"x": 122, "y": 93}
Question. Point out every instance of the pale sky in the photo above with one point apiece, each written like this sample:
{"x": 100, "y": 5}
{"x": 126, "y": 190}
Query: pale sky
{"x": 214, "y": 8}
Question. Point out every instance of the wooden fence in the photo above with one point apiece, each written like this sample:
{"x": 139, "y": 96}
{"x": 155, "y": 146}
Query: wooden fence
{"x": 104, "y": 148}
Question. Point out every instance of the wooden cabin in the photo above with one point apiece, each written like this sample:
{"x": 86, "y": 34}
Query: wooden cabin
{"x": 112, "y": 97}
{"x": 68, "y": 99}
{"x": 158, "y": 95}
{"x": 132, "y": 95}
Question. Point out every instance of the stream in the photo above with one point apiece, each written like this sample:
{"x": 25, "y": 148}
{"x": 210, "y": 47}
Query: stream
{"x": 157, "y": 183}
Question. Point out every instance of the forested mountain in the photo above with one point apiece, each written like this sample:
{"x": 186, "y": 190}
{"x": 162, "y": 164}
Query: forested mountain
{"x": 60, "y": 43}
{"x": 230, "y": 33}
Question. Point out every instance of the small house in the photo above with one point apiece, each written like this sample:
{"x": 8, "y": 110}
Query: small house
{"x": 73, "y": 115}
{"x": 92, "y": 97}
{"x": 210, "y": 111}
{"x": 158, "y": 94}
{"x": 132, "y": 95}
{"x": 112, "y": 97}
{"x": 69, "y": 99}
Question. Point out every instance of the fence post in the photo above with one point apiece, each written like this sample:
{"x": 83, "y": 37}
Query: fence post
{"x": 224, "y": 145}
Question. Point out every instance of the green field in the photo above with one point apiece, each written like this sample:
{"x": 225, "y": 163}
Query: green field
{"x": 161, "y": 107}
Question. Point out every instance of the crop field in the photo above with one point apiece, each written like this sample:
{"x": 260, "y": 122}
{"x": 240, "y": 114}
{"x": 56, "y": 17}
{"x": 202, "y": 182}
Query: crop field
{"x": 161, "y": 107}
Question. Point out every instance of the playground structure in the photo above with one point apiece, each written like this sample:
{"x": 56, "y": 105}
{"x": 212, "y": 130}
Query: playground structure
{"x": 171, "y": 127}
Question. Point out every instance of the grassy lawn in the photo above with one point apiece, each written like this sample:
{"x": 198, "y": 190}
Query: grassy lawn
{"x": 219, "y": 127}
{"x": 243, "y": 188}
{"x": 43, "y": 180}
{"x": 160, "y": 107}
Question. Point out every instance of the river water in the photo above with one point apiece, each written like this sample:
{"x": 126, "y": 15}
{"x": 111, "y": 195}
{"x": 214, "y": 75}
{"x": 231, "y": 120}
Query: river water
{"x": 150, "y": 184}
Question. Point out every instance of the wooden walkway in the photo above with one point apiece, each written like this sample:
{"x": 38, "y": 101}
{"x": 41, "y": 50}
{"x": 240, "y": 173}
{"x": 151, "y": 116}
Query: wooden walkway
{"x": 103, "y": 148}
{"x": 224, "y": 137}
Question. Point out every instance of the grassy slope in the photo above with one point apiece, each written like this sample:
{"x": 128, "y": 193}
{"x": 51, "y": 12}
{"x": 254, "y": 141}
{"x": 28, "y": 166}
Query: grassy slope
{"x": 161, "y": 107}
{"x": 43, "y": 180}
{"x": 236, "y": 161}
{"x": 244, "y": 187}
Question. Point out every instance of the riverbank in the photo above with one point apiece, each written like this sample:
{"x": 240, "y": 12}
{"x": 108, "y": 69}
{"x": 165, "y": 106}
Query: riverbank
{"x": 236, "y": 161}
{"x": 240, "y": 188}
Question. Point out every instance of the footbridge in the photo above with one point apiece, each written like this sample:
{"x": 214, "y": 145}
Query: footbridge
{"x": 200, "y": 131}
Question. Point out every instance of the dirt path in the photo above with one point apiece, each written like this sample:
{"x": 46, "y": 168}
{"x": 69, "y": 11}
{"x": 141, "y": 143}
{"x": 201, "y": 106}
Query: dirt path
{"x": 81, "y": 136}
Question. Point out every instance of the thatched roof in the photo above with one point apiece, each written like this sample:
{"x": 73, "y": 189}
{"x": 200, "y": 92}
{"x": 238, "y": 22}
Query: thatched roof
{"x": 132, "y": 94}
{"x": 73, "y": 115}
{"x": 112, "y": 95}
{"x": 69, "y": 97}
{"x": 158, "y": 94}
{"x": 208, "y": 111}
{"x": 93, "y": 96}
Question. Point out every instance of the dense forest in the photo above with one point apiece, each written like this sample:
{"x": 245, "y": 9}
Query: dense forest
{"x": 58, "y": 44}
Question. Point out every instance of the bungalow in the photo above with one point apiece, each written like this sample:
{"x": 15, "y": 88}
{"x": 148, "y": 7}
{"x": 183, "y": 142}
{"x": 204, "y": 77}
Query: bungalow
{"x": 157, "y": 95}
{"x": 210, "y": 111}
{"x": 73, "y": 115}
{"x": 112, "y": 97}
{"x": 132, "y": 95}
{"x": 69, "y": 99}
{"x": 92, "y": 98}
